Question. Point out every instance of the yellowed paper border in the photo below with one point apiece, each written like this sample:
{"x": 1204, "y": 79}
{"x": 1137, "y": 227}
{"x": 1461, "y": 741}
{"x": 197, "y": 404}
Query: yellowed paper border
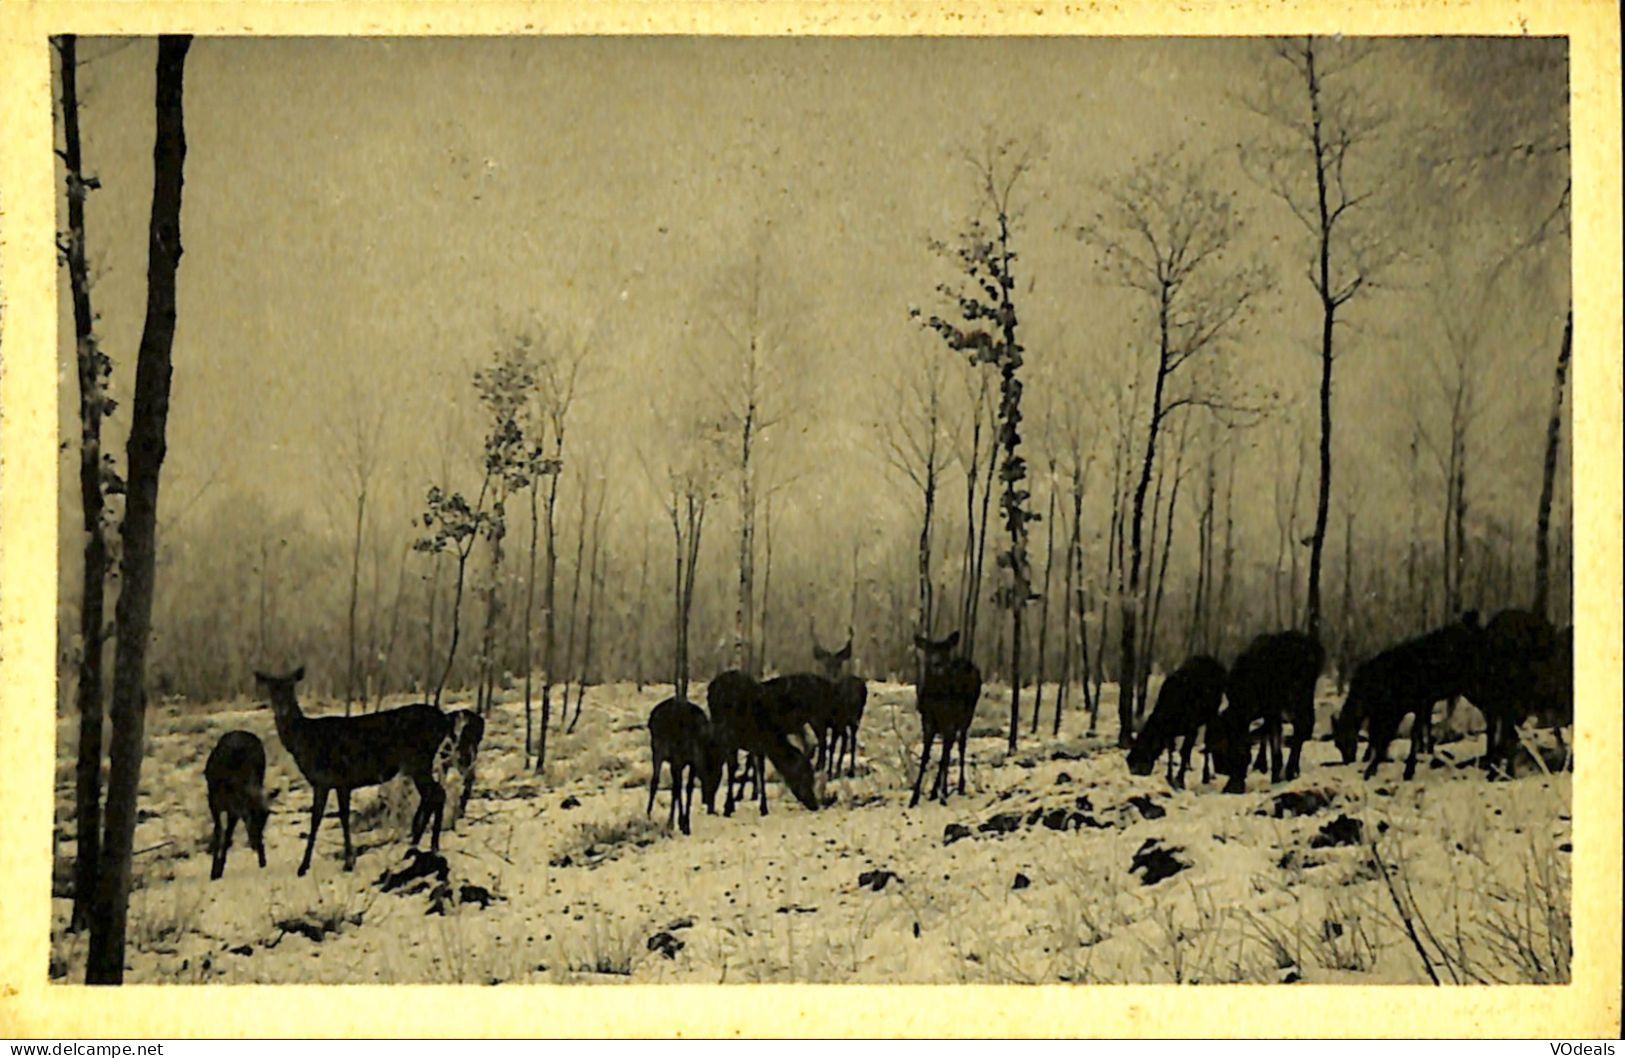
{"x": 28, "y": 488}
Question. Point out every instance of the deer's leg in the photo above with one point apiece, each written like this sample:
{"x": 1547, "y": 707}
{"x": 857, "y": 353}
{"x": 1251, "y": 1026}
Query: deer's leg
{"x": 939, "y": 788}
{"x": 1185, "y": 758}
{"x": 317, "y": 807}
{"x": 468, "y": 788}
{"x": 654, "y": 783}
{"x": 927, "y": 734}
{"x": 760, "y": 765}
{"x": 964, "y": 736}
{"x": 217, "y": 849}
{"x": 344, "y": 825}
{"x": 728, "y": 798}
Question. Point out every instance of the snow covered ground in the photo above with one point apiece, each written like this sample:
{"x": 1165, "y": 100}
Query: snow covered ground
{"x": 1038, "y": 874}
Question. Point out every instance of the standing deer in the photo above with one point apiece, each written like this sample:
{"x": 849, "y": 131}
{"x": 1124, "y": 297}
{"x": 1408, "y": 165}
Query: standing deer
{"x": 680, "y": 734}
{"x": 1187, "y": 703}
{"x": 946, "y": 698}
{"x": 745, "y": 718}
{"x": 344, "y": 753}
{"x": 851, "y": 695}
{"x": 467, "y": 729}
{"x": 235, "y": 773}
{"x": 1272, "y": 681}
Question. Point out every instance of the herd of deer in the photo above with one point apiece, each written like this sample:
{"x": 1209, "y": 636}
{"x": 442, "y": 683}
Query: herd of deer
{"x": 1514, "y": 667}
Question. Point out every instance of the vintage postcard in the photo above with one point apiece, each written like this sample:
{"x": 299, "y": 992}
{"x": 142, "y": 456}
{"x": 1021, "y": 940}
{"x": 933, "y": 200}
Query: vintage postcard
{"x": 832, "y": 519}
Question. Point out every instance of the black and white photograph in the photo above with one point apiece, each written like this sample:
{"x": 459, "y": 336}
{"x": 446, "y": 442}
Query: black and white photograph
{"x": 677, "y": 509}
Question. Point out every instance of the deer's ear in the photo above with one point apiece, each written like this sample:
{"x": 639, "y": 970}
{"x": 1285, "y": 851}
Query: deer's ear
{"x": 297, "y": 674}
{"x": 951, "y": 642}
{"x": 844, "y": 653}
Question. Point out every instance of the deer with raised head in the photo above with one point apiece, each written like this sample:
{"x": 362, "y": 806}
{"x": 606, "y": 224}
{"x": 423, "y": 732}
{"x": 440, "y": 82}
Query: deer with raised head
{"x": 235, "y": 773}
{"x": 344, "y": 753}
{"x": 680, "y": 735}
{"x": 946, "y": 698}
{"x": 745, "y": 718}
{"x": 851, "y": 695}
{"x": 461, "y": 749}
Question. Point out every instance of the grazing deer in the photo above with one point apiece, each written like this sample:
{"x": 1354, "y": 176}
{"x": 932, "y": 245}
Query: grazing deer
{"x": 462, "y": 747}
{"x": 344, "y": 753}
{"x": 1272, "y": 681}
{"x": 851, "y": 695}
{"x": 680, "y": 735}
{"x": 946, "y": 698}
{"x": 1405, "y": 680}
{"x": 745, "y": 718}
{"x": 235, "y": 773}
{"x": 1187, "y": 703}
{"x": 805, "y": 702}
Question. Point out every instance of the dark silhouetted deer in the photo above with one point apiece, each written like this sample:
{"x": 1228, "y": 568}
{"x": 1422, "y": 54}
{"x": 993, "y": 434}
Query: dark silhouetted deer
{"x": 1186, "y": 704}
{"x": 1406, "y": 680}
{"x": 235, "y": 773}
{"x": 1271, "y": 682}
{"x": 946, "y": 698}
{"x": 1517, "y": 675}
{"x": 851, "y": 695}
{"x": 745, "y": 718}
{"x": 344, "y": 753}
{"x": 680, "y": 735}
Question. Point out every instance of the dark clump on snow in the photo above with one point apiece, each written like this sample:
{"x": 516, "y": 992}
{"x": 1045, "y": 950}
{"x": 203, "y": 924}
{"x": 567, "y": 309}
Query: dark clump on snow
{"x": 1159, "y": 861}
{"x": 1062, "y": 754}
{"x": 665, "y": 944}
{"x": 1295, "y": 859}
{"x": 877, "y": 880}
{"x": 1003, "y": 823}
{"x": 1062, "y": 779}
{"x": 1299, "y": 803}
{"x": 953, "y": 832}
{"x": 242, "y": 949}
{"x": 1147, "y": 808}
{"x": 422, "y": 865}
{"x": 570, "y": 802}
{"x": 1056, "y": 818}
{"x": 796, "y": 909}
{"x": 1035, "y": 815}
{"x": 1344, "y": 830}
{"x": 1082, "y": 803}
{"x": 1021, "y": 882}
{"x": 1084, "y": 819}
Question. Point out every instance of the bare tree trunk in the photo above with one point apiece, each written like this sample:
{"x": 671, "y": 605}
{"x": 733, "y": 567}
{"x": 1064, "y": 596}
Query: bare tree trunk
{"x": 550, "y": 598}
{"x": 595, "y": 586}
{"x": 1155, "y": 610}
{"x": 1128, "y": 677}
{"x": 105, "y": 960}
{"x": 1222, "y": 617}
{"x": 767, "y": 583}
{"x": 92, "y": 364}
{"x": 967, "y": 580}
{"x": 530, "y": 609}
{"x": 575, "y": 605}
{"x": 386, "y": 664}
{"x": 1329, "y": 305}
{"x": 744, "y": 611}
{"x": 1554, "y": 437}
{"x": 1043, "y": 613}
{"x": 643, "y": 593}
{"x": 351, "y": 672}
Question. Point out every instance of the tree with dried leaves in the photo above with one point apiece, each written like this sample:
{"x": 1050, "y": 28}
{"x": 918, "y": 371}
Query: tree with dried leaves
{"x": 983, "y": 329}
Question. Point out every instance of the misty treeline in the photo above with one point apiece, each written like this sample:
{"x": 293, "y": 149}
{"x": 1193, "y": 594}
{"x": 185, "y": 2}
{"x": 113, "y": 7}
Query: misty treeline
{"x": 1083, "y": 503}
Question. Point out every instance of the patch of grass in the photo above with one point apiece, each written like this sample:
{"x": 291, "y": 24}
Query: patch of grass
{"x": 160, "y": 916}
{"x": 597, "y": 840}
